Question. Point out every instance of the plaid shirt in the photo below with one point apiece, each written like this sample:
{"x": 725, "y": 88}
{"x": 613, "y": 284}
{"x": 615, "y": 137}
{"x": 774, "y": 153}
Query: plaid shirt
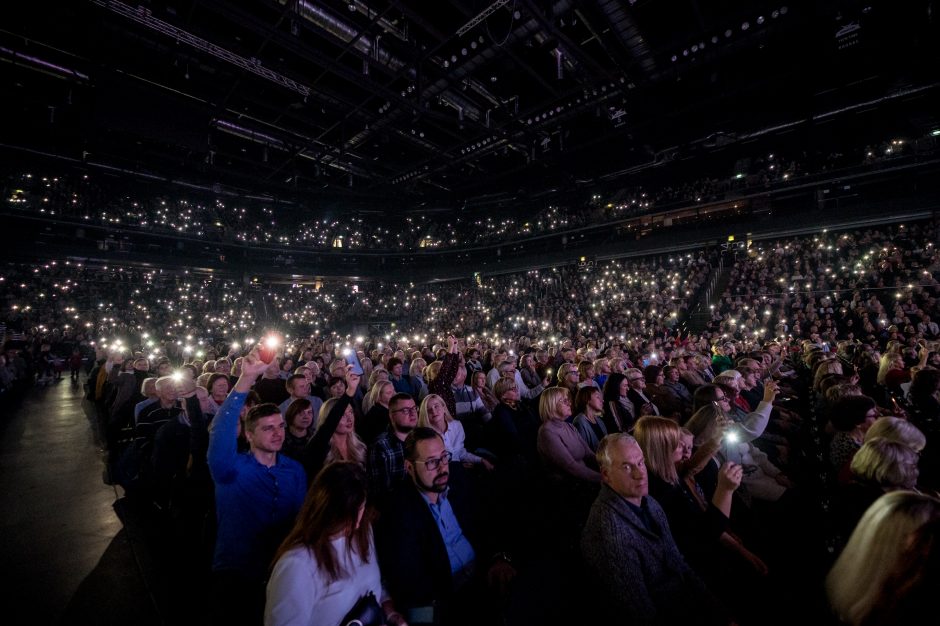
{"x": 386, "y": 463}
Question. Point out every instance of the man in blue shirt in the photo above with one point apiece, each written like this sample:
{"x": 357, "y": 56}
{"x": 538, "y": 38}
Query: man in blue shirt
{"x": 258, "y": 494}
{"x": 434, "y": 555}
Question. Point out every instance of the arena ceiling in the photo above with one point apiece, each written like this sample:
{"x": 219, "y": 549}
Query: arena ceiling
{"x": 434, "y": 105}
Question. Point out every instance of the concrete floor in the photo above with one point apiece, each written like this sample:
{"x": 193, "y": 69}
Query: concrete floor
{"x": 66, "y": 555}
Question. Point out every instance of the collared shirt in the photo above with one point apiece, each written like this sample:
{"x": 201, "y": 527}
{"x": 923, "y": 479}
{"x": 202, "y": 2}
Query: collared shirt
{"x": 386, "y": 463}
{"x": 459, "y": 551}
{"x": 643, "y": 513}
{"x": 255, "y": 504}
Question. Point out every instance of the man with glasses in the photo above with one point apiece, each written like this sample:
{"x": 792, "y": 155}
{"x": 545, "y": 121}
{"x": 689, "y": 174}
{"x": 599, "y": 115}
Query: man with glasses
{"x": 636, "y": 394}
{"x": 750, "y": 426}
{"x": 386, "y": 462}
{"x": 432, "y": 553}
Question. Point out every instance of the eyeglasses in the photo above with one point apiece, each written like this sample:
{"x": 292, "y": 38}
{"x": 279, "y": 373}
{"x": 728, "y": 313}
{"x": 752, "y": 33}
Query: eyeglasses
{"x": 433, "y": 464}
{"x": 635, "y": 379}
{"x": 722, "y": 399}
{"x": 410, "y": 410}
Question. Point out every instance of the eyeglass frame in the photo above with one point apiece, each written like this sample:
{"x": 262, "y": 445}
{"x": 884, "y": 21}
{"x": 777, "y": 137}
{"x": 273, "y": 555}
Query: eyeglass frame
{"x": 432, "y": 464}
{"x": 408, "y": 409}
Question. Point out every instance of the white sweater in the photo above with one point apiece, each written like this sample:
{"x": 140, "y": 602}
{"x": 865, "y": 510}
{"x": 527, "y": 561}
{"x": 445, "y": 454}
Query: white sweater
{"x": 298, "y": 593}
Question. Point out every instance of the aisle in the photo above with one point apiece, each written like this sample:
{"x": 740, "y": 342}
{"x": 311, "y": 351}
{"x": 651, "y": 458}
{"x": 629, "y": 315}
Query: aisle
{"x": 67, "y": 558}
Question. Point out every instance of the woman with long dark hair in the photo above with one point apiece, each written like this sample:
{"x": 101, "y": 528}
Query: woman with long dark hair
{"x": 327, "y": 562}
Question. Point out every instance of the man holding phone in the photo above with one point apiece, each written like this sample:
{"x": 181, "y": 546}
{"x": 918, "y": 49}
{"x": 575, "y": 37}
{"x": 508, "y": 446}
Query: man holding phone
{"x": 258, "y": 494}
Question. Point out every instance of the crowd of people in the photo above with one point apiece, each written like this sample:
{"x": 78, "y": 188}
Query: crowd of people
{"x": 550, "y": 446}
{"x": 83, "y": 198}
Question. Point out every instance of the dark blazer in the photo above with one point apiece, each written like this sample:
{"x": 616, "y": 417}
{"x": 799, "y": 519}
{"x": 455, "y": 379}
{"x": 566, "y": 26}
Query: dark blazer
{"x": 411, "y": 550}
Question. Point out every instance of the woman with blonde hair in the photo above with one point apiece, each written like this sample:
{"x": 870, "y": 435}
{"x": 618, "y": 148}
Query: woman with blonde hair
{"x": 434, "y": 414}
{"x": 416, "y": 371}
{"x": 699, "y": 527}
{"x": 872, "y": 551}
{"x": 375, "y": 410}
{"x": 762, "y": 479}
{"x": 897, "y": 429}
{"x": 560, "y": 446}
{"x": 880, "y": 466}
{"x": 335, "y": 438}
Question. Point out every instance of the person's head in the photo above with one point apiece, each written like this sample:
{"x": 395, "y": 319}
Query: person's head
{"x": 164, "y": 368}
{"x": 378, "y": 373}
{"x": 706, "y": 394}
{"x": 887, "y": 464}
{"x": 336, "y": 386}
{"x": 141, "y": 365}
{"x": 299, "y": 414}
{"x": 166, "y": 389}
{"x": 568, "y": 374}
{"x": 852, "y": 413}
{"x": 148, "y": 388}
{"x": 659, "y": 439}
{"x": 707, "y": 423}
{"x": 297, "y": 386}
{"x": 431, "y": 371}
{"x": 671, "y": 374}
{"x": 264, "y": 428}
{"x": 586, "y": 370}
{"x": 635, "y": 379}
{"x": 908, "y": 591}
{"x": 506, "y": 390}
{"x": 434, "y": 413}
{"x": 402, "y": 412}
{"x": 588, "y": 399}
{"x": 208, "y": 367}
{"x": 602, "y": 367}
{"x": 306, "y": 372}
{"x": 460, "y": 376}
{"x": 223, "y": 366}
{"x": 653, "y": 375}
{"x": 622, "y": 466}
{"x": 189, "y": 370}
{"x": 686, "y": 443}
{"x": 897, "y": 429}
{"x": 427, "y": 461}
{"x": 382, "y": 393}
{"x": 731, "y": 378}
{"x": 883, "y": 533}
{"x": 507, "y": 369}
{"x": 615, "y": 387}
{"x": 417, "y": 366}
{"x": 394, "y": 366}
{"x": 555, "y": 404}
{"x": 478, "y": 380}
{"x": 335, "y": 506}
{"x": 218, "y": 387}
{"x": 924, "y": 387}
{"x": 347, "y": 423}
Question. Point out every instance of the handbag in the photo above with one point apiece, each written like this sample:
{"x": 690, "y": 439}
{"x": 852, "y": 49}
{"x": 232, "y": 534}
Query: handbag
{"x": 365, "y": 612}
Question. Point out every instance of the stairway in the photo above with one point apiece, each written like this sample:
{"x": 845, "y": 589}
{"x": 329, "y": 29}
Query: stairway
{"x": 696, "y": 320}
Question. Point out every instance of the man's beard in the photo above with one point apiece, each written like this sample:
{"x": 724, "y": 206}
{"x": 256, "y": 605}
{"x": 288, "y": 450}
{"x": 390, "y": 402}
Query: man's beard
{"x": 438, "y": 485}
{"x": 404, "y": 430}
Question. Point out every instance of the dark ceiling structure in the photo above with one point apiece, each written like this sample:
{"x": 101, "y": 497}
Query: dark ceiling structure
{"x": 417, "y": 105}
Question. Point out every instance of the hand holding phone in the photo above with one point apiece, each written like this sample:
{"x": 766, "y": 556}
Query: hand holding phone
{"x": 268, "y": 349}
{"x": 353, "y": 359}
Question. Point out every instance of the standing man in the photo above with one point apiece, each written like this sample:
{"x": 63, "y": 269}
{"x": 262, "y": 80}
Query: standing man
{"x": 629, "y": 548}
{"x": 258, "y": 494}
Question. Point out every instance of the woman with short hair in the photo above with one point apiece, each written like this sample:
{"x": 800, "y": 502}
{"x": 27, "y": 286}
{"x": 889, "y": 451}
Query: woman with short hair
{"x": 561, "y": 447}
